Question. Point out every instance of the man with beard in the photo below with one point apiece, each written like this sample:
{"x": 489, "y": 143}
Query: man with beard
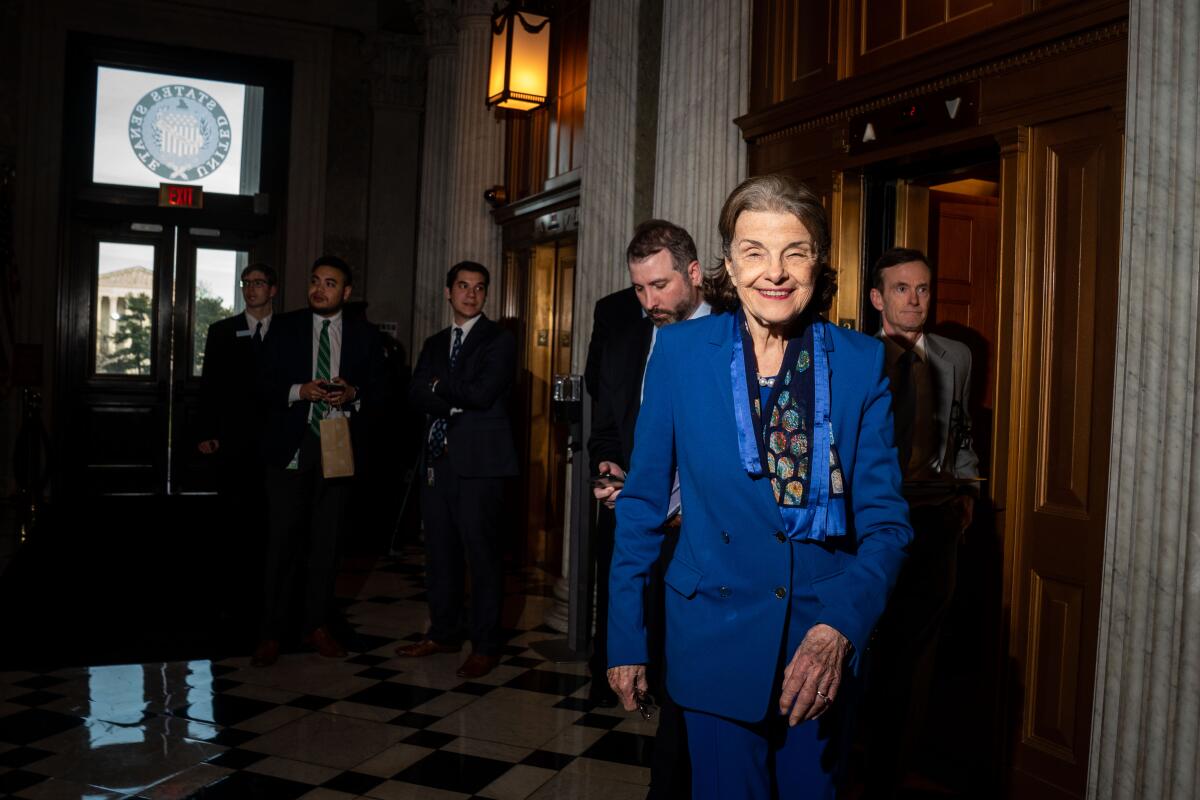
{"x": 666, "y": 278}
{"x": 318, "y": 362}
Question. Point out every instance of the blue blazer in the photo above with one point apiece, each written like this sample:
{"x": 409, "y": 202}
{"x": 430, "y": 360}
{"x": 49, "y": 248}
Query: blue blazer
{"x": 725, "y": 618}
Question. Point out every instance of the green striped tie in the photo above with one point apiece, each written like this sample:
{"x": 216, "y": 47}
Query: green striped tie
{"x": 319, "y": 409}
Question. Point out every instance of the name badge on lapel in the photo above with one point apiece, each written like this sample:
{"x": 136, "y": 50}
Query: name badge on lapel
{"x": 244, "y": 333}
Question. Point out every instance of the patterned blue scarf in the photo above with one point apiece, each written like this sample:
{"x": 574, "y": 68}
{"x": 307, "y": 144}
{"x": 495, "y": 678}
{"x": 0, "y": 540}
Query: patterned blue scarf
{"x": 794, "y": 445}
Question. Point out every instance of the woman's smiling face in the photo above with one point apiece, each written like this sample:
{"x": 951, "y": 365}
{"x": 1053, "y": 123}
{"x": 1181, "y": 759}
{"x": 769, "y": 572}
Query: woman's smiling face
{"x": 773, "y": 264}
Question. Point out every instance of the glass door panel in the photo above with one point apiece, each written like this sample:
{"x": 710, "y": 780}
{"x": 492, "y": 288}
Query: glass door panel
{"x": 216, "y": 294}
{"x": 208, "y": 271}
{"x": 120, "y": 357}
{"x": 124, "y": 333}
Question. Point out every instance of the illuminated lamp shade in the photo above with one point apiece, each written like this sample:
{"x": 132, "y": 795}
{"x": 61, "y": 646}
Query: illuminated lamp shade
{"x": 520, "y": 59}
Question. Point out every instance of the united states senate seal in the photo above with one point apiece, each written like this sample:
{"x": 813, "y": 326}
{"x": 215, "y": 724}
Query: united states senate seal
{"x": 180, "y": 133}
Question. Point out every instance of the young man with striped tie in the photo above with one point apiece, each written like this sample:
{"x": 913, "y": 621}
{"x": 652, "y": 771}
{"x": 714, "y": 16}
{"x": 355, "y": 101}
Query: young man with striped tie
{"x": 318, "y": 362}
{"x": 462, "y": 383}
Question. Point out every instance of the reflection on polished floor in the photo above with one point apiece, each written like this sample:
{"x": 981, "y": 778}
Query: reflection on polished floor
{"x": 369, "y": 725}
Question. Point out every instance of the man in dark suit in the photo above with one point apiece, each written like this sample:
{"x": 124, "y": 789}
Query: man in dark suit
{"x": 666, "y": 281}
{"x": 930, "y": 378}
{"x": 462, "y": 382}
{"x": 612, "y": 314}
{"x": 231, "y": 423}
{"x": 319, "y": 362}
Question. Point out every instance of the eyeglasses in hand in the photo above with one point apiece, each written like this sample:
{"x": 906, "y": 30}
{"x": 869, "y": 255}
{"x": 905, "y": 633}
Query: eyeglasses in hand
{"x": 645, "y": 704}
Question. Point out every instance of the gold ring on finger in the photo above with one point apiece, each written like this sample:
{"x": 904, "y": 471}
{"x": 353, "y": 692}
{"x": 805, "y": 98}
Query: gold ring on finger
{"x": 823, "y": 697}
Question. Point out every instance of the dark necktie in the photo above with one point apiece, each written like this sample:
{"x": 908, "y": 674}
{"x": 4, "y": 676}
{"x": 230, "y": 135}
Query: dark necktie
{"x": 437, "y": 433}
{"x": 258, "y": 337}
{"x": 904, "y": 402}
{"x": 319, "y": 408}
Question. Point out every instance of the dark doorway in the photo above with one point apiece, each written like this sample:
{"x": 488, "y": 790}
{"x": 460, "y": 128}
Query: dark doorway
{"x": 143, "y": 279}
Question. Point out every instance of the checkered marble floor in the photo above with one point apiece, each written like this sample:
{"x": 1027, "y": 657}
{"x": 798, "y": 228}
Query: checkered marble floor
{"x": 370, "y": 725}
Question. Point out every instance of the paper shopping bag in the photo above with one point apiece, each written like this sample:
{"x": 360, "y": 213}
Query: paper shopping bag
{"x": 337, "y": 454}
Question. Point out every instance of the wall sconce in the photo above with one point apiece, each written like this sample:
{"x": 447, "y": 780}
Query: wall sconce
{"x": 520, "y": 71}
{"x": 496, "y": 196}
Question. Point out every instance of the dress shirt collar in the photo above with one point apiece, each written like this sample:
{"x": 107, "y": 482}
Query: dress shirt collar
{"x": 252, "y": 322}
{"x": 334, "y": 321}
{"x": 894, "y": 351}
{"x": 466, "y": 327}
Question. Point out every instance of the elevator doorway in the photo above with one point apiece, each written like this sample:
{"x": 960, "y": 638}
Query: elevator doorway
{"x": 550, "y": 296}
{"x": 950, "y": 212}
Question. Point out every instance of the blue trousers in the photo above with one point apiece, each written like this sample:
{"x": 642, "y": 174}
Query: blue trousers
{"x": 768, "y": 760}
{"x": 758, "y": 761}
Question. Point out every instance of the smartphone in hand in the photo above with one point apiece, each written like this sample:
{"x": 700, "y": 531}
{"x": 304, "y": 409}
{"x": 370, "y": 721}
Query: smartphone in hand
{"x": 605, "y": 480}
{"x": 331, "y": 388}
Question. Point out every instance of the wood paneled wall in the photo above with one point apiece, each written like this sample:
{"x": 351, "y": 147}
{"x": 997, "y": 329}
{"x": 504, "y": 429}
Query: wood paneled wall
{"x": 811, "y": 56}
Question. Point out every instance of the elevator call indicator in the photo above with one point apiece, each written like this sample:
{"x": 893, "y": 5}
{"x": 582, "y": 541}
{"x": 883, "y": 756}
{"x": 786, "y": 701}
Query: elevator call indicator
{"x": 180, "y": 195}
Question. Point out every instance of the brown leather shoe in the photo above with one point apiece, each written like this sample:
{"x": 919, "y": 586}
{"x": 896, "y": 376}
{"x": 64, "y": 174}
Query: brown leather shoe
{"x": 325, "y": 644}
{"x": 477, "y": 665}
{"x": 426, "y": 647}
{"x": 266, "y": 654}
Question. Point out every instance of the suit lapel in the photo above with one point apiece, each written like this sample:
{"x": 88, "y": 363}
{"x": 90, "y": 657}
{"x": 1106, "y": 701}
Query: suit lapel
{"x": 942, "y": 370}
{"x": 721, "y": 351}
{"x": 481, "y": 332}
{"x": 441, "y": 352}
{"x": 638, "y": 351}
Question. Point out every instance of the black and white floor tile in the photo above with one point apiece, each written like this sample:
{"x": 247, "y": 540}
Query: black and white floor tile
{"x": 370, "y": 725}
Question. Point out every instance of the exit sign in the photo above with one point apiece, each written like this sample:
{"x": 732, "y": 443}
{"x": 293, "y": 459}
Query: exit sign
{"x": 178, "y": 195}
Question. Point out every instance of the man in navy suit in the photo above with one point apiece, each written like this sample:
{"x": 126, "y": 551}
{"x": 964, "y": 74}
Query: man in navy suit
{"x": 462, "y": 382}
{"x": 666, "y": 281}
{"x": 317, "y": 362}
{"x": 231, "y": 425}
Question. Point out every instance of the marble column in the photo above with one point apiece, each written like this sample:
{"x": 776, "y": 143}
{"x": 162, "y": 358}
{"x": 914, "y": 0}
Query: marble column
{"x": 476, "y": 152}
{"x": 428, "y": 306}
{"x": 606, "y": 206}
{"x": 703, "y": 86}
{"x": 1147, "y": 703}
{"x": 397, "y": 96}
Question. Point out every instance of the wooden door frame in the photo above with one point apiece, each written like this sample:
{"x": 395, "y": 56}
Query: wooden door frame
{"x": 1021, "y": 314}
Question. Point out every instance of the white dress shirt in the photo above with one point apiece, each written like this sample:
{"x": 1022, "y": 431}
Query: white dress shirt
{"x": 253, "y": 322}
{"x": 335, "y": 350}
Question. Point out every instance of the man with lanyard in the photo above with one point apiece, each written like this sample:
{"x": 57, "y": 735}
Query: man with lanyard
{"x": 462, "y": 382}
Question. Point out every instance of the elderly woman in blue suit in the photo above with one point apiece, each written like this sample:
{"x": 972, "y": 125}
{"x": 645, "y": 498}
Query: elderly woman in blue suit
{"x": 779, "y": 427}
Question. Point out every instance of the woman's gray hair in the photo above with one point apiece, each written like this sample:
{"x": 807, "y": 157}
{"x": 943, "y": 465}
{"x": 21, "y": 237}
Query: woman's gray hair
{"x": 783, "y": 194}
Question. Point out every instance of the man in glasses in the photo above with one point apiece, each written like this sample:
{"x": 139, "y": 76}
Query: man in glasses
{"x": 230, "y": 425}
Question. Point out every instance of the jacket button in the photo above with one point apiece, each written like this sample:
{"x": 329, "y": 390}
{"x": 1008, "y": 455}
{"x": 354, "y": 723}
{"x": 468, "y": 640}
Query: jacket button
{"x": 781, "y": 536}
{"x": 724, "y": 537}
{"x": 724, "y": 591}
{"x": 780, "y": 592}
